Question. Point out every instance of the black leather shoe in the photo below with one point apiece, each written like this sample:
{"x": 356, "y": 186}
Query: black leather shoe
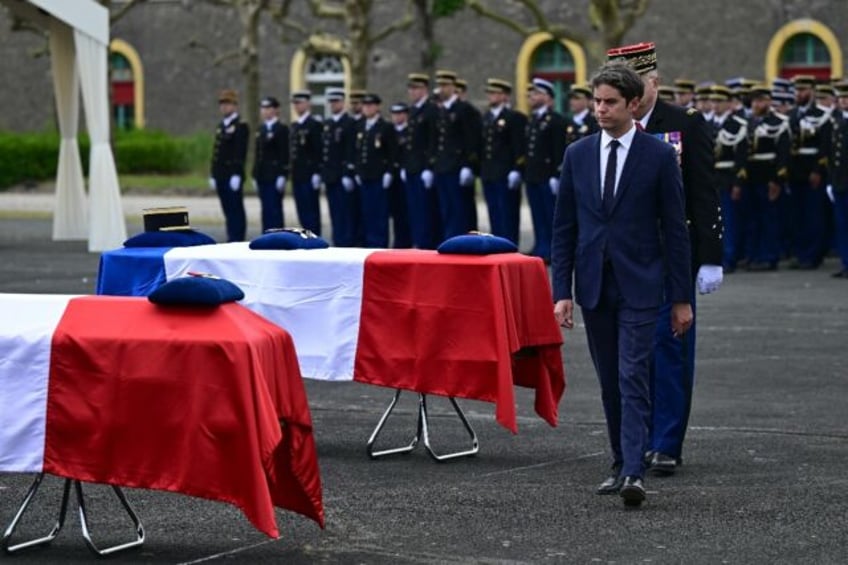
{"x": 840, "y": 275}
{"x": 611, "y": 484}
{"x": 662, "y": 465}
{"x": 632, "y": 491}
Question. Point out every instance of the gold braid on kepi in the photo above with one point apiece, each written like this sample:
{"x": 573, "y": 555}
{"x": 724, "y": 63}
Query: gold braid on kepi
{"x": 641, "y": 57}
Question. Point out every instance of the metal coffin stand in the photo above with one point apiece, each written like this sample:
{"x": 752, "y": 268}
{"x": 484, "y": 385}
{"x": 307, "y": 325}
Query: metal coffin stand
{"x": 423, "y": 432}
{"x": 60, "y": 521}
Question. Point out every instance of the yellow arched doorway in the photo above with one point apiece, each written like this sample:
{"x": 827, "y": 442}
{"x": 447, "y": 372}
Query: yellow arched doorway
{"x": 127, "y": 85}
{"x": 563, "y": 62}
{"x": 804, "y": 47}
{"x": 316, "y": 72}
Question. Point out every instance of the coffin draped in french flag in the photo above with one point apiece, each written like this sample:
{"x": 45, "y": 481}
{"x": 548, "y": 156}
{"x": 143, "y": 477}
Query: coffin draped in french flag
{"x": 207, "y": 402}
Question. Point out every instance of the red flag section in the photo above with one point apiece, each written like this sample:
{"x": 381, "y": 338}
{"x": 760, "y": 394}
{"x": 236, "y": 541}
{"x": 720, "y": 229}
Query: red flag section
{"x": 461, "y": 325}
{"x": 204, "y": 402}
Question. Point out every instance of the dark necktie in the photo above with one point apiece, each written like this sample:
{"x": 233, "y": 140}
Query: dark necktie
{"x": 609, "y": 176}
{"x": 639, "y": 125}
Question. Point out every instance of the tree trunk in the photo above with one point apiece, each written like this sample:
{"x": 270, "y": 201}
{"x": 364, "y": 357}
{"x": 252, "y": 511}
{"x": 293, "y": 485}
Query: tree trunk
{"x": 249, "y": 13}
{"x": 359, "y": 34}
{"x": 430, "y": 49}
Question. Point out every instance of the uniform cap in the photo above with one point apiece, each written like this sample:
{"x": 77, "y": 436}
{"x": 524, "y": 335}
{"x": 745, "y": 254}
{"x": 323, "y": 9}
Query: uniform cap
{"x": 335, "y": 94}
{"x": 357, "y": 94}
{"x": 824, "y": 90}
{"x": 665, "y": 92}
{"x": 542, "y": 85}
{"x": 498, "y": 85}
{"x": 641, "y": 57}
{"x": 804, "y": 80}
{"x": 461, "y": 84}
{"x": 371, "y": 98}
{"x": 269, "y": 102}
{"x": 719, "y": 93}
{"x": 684, "y": 85}
{"x": 781, "y": 83}
{"x": 581, "y": 90}
{"x": 301, "y": 96}
{"x": 399, "y": 108}
{"x": 228, "y": 95}
{"x": 417, "y": 79}
{"x": 445, "y": 77}
{"x": 759, "y": 90}
{"x": 841, "y": 88}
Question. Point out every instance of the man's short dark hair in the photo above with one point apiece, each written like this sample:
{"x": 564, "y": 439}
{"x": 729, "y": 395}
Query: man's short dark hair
{"x": 622, "y": 78}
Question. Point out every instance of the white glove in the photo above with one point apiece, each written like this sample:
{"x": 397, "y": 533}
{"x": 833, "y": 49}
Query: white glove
{"x": 466, "y": 177}
{"x": 709, "y": 278}
{"x": 281, "y": 184}
{"x": 235, "y": 182}
{"x": 829, "y": 190}
{"x": 553, "y": 182}
{"x": 513, "y": 180}
{"x": 403, "y": 175}
{"x": 316, "y": 181}
{"x": 387, "y": 180}
{"x": 347, "y": 183}
{"x": 427, "y": 178}
{"x": 212, "y": 185}
{"x": 358, "y": 180}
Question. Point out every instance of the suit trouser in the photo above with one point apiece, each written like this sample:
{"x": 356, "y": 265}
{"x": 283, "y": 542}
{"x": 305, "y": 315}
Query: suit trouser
{"x": 810, "y": 225}
{"x": 453, "y": 204}
{"x": 504, "y": 207}
{"x": 840, "y": 216}
{"x": 424, "y": 216}
{"x": 620, "y": 342}
{"x": 672, "y": 382}
{"x": 399, "y": 211}
{"x": 375, "y": 213}
{"x": 271, "y": 202}
{"x": 542, "y": 203}
{"x": 308, "y": 207}
{"x": 232, "y": 204}
{"x": 342, "y": 213}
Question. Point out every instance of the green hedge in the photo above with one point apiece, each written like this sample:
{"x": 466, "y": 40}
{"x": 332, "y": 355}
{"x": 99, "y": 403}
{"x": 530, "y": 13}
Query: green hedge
{"x": 32, "y": 157}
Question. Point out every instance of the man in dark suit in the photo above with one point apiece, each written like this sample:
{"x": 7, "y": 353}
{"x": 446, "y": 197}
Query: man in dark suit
{"x": 398, "y": 207}
{"x": 376, "y": 151}
{"x": 674, "y": 359}
{"x": 227, "y": 170}
{"x": 502, "y": 160}
{"x": 271, "y": 163}
{"x": 836, "y": 150}
{"x": 620, "y": 234}
{"x": 306, "y": 152}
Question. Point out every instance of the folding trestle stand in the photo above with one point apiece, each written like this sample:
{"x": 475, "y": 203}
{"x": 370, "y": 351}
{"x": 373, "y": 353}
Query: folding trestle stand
{"x": 423, "y": 432}
{"x": 60, "y": 521}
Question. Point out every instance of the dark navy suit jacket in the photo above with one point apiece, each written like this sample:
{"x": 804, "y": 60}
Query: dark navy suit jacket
{"x": 644, "y": 237}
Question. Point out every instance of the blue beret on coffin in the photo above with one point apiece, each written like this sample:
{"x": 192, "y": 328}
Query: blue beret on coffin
{"x": 183, "y": 238}
{"x": 476, "y": 243}
{"x": 289, "y": 238}
{"x": 196, "y": 289}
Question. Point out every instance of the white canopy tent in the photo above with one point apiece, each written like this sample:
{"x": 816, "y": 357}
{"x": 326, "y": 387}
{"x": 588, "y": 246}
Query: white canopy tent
{"x": 79, "y": 45}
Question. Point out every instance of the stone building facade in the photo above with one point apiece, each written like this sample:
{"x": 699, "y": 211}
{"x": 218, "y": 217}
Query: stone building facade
{"x": 164, "y": 51}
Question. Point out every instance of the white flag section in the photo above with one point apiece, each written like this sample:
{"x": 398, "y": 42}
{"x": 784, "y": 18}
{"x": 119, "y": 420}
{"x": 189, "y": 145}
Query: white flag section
{"x": 314, "y": 294}
{"x": 27, "y": 324}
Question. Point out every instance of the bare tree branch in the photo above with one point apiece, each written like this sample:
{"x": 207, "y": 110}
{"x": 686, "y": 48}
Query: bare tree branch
{"x": 281, "y": 14}
{"x": 398, "y": 25}
{"x": 224, "y": 57}
{"x": 123, "y": 10}
{"x": 485, "y": 12}
{"x": 324, "y": 9}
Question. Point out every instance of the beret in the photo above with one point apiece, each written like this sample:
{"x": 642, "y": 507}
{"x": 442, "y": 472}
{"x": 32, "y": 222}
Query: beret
{"x": 181, "y": 238}
{"x": 477, "y": 244}
{"x": 196, "y": 290}
{"x": 289, "y": 238}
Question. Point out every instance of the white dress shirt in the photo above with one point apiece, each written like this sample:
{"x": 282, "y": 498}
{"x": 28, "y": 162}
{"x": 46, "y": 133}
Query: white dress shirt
{"x": 624, "y": 147}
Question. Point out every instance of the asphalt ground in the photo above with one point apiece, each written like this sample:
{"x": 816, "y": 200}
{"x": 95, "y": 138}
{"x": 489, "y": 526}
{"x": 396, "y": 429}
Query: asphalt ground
{"x": 764, "y": 479}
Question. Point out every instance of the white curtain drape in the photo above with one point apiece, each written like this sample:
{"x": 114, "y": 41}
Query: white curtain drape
{"x": 107, "y": 228}
{"x": 70, "y": 216}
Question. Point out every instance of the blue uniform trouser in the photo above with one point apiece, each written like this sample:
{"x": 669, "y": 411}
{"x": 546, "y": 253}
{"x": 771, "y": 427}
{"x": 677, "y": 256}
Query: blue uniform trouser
{"x": 809, "y": 206}
{"x": 542, "y": 202}
{"x": 421, "y": 203}
{"x": 453, "y": 204}
{"x": 232, "y": 204}
{"x": 342, "y": 214}
{"x": 271, "y": 202}
{"x": 730, "y": 223}
{"x": 504, "y": 207}
{"x": 764, "y": 226}
{"x": 469, "y": 195}
{"x": 399, "y": 212}
{"x": 308, "y": 207}
{"x": 672, "y": 381}
{"x": 840, "y": 216}
{"x": 620, "y": 340}
{"x": 375, "y": 213}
